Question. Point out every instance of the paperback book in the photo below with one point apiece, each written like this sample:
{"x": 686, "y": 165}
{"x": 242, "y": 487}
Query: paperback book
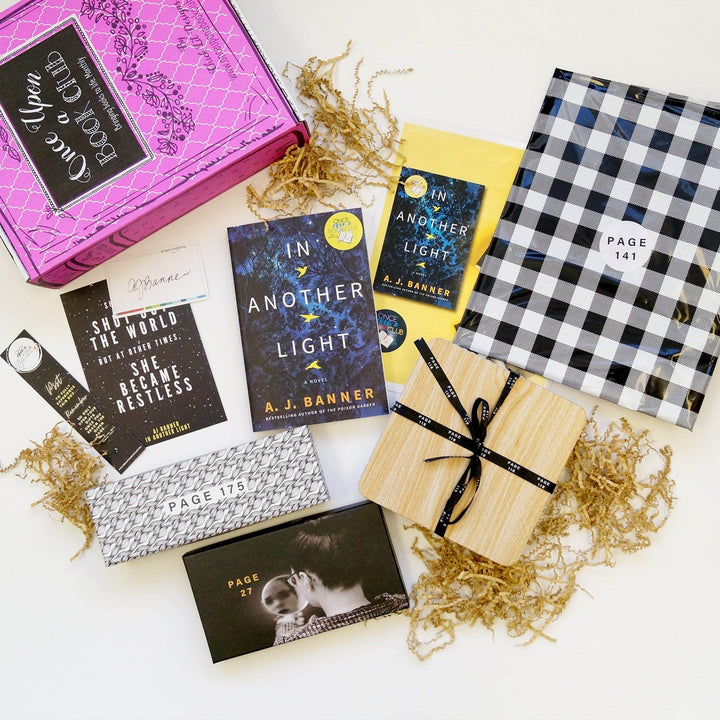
{"x": 150, "y": 368}
{"x": 428, "y": 238}
{"x": 307, "y": 319}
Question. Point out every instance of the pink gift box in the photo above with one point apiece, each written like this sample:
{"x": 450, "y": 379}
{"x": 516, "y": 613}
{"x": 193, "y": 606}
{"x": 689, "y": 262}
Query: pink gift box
{"x": 118, "y": 116}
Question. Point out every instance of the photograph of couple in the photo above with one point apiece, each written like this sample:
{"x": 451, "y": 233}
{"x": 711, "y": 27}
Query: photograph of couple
{"x": 313, "y": 575}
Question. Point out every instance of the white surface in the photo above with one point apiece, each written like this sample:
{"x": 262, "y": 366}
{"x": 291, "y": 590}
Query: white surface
{"x": 82, "y": 641}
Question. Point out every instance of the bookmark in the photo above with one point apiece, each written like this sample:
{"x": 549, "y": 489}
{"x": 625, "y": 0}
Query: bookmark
{"x": 98, "y": 425}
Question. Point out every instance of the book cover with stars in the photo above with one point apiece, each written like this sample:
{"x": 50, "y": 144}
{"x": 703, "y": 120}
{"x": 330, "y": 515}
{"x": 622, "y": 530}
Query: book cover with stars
{"x": 427, "y": 243}
{"x": 307, "y": 320}
{"x": 151, "y": 368}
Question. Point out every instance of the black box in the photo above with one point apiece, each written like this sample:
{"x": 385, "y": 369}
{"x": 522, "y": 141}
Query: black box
{"x": 295, "y": 580}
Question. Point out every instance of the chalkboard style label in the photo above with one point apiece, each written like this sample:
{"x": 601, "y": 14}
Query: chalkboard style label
{"x": 73, "y": 130}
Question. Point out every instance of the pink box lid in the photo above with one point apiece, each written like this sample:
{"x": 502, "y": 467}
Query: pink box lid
{"x": 111, "y": 108}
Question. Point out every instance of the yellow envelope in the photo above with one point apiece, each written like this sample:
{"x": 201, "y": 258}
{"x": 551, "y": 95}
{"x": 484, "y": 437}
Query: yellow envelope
{"x": 452, "y": 155}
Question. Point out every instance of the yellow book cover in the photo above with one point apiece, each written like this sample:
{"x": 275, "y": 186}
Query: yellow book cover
{"x": 402, "y": 320}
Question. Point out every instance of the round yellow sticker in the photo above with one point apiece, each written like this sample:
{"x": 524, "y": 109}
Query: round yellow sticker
{"x": 416, "y": 186}
{"x": 343, "y": 230}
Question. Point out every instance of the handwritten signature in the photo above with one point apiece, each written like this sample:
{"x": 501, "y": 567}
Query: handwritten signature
{"x": 140, "y": 286}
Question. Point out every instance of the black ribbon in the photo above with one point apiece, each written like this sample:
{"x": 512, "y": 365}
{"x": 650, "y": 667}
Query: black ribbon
{"x": 477, "y": 424}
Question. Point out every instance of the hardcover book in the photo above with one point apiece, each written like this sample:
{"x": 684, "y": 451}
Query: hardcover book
{"x": 150, "y": 368}
{"x": 428, "y": 238}
{"x": 307, "y": 319}
{"x": 295, "y": 580}
{"x": 207, "y": 495}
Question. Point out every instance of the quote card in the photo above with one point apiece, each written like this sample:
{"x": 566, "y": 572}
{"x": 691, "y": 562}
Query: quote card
{"x": 151, "y": 368}
{"x": 159, "y": 280}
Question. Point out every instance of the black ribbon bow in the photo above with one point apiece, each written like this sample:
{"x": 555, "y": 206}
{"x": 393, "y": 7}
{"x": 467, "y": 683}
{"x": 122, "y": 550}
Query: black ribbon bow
{"x": 477, "y": 424}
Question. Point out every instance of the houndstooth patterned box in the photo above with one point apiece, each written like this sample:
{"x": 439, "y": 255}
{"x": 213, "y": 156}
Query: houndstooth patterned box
{"x": 206, "y": 496}
{"x": 603, "y": 272}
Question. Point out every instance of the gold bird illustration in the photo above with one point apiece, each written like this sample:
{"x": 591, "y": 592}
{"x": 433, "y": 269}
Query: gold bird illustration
{"x": 314, "y": 365}
{"x": 309, "y": 317}
{"x": 301, "y": 270}
{"x": 429, "y": 236}
{"x": 436, "y": 208}
{"x": 421, "y": 264}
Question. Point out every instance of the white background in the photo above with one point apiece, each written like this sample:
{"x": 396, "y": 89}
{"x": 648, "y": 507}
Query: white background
{"x": 82, "y": 641}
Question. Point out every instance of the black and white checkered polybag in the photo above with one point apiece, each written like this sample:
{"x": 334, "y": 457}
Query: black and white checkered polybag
{"x": 603, "y": 272}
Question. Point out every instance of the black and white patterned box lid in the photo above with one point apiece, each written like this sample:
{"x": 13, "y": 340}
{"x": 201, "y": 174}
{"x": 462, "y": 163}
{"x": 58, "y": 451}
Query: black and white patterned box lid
{"x": 603, "y": 272}
{"x": 207, "y": 495}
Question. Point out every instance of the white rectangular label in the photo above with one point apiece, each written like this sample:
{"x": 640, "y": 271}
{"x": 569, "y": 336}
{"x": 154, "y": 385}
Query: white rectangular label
{"x": 208, "y": 495}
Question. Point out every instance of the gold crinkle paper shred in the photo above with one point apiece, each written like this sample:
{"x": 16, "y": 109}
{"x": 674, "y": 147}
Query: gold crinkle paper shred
{"x": 67, "y": 469}
{"x": 603, "y": 507}
{"x": 352, "y": 145}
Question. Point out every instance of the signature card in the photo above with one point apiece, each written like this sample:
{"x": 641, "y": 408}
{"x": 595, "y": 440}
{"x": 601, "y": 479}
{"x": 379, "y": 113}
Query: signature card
{"x": 164, "y": 279}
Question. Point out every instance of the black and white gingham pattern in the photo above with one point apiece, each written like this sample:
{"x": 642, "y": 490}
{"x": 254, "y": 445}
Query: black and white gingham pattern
{"x": 546, "y": 301}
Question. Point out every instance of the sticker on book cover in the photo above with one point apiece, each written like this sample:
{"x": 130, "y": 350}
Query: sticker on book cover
{"x": 392, "y": 330}
{"x": 416, "y": 186}
{"x": 24, "y": 355}
{"x": 626, "y": 245}
{"x": 343, "y": 231}
{"x": 70, "y": 124}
